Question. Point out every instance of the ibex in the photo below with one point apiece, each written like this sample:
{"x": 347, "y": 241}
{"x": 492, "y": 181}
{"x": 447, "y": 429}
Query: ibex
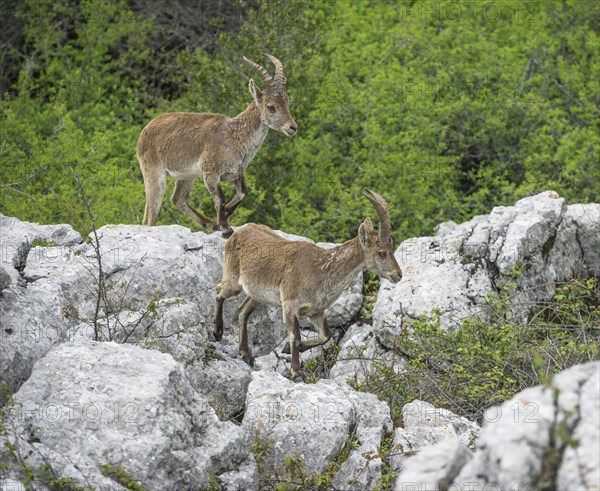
{"x": 211, "y": 146}
{"x": 301, "y": 277}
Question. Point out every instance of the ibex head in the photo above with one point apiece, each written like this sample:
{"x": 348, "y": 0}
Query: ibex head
{"x": 377, "y": 244}
{"x": 272, "y": 102}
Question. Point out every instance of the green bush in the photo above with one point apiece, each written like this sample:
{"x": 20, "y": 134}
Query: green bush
{"x": 483, "y": 363}
{"x": 446, "y": 109}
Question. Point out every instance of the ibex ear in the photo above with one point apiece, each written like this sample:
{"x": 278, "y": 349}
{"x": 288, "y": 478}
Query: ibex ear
{"x": 364, "y": 231}
{"x": 255, "y": 91}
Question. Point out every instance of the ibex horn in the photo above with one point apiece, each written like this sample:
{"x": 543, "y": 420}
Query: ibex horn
{"x": 279, "y": 78}
{"x": 383, "y": 212}
{"x": 259, "y": 70}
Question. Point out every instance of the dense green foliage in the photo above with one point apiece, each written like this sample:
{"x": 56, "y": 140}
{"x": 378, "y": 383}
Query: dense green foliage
{"x": 446, "y": 108}
{"x": 486, "y": 362}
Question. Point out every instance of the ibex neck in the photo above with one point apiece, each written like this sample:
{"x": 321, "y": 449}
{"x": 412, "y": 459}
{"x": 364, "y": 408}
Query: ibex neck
{"x": 342, "y": 263}
{"x": 249, "y": 131}
{"x": 248, "y": 121}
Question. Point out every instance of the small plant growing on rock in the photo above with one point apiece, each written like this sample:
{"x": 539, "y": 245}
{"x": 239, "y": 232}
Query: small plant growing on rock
{"x": 318, "y": 367}
{"x": 47, "y": 477}
{"x": 44, "y": 475}
{"x": 371, "y": 285}
{"x": 386, "y": 450}
{"x": 261, "y": 447}
{"x": 324, "y": 480}
{"x": 292, "y": 475}
{"x": 119, "y": 474}
{"x": 42, "y": 243}
{"x": 213, "y": 484}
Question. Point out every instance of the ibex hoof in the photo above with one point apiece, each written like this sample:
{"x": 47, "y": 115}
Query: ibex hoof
{"x": 218, "y": 335}
{"x": 227, "y": 232}
{"x": 299, "y": 377}
{"x": 248, "y": 359}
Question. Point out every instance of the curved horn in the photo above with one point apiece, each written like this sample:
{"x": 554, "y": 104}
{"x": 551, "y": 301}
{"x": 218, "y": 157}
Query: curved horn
{"x": 279, "y": 78}
{"x": 383, "y": 212}
{"x": 259, "y": 70}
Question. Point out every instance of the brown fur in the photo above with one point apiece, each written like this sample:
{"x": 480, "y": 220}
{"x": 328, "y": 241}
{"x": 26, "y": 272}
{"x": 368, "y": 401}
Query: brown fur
{"x": 301, "y": 277}
{"x": 214, "y": 147}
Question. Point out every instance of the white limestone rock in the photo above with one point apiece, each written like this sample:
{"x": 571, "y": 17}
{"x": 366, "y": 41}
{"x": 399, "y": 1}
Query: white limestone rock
{"x": 88, "y": 404}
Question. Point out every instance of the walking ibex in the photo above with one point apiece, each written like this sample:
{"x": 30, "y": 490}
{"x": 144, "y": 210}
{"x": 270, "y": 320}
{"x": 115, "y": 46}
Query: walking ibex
{"x": 211, "y": 146}
{"x": 301, "y": 277}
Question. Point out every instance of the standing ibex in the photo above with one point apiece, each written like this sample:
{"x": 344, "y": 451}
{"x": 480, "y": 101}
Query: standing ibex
{"x": 211, "y": 146}
{"x": 303, "y": 278}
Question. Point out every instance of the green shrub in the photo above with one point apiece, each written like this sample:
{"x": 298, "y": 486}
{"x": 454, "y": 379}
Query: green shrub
{"x": 445, "y": 114}
{"x": 486, "y": 362}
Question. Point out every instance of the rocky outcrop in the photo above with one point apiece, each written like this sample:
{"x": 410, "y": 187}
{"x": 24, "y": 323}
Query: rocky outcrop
{"x": 89, "y": 405}
{"x": 360, "y": 353}
{"x": 17, "y": 239}
{"x": 155, "y": 288}
{"x": 435, "y": 467}
{"x": 30, "y": 321}
{"x": 223, "y": 378}
{"x": 313, "y": 421}
{"x": 546, "y": 437}
{"x": 5, "y": 279}
{"x": 30, "y": 324}
{"x": 535, "y": 243}
{"x": 426, "y": 425}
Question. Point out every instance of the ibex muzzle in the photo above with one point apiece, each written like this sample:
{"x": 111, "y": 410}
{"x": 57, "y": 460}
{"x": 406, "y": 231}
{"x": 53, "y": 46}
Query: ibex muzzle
{"x": 214, "y": 147}
{"x": 301, "y": 277}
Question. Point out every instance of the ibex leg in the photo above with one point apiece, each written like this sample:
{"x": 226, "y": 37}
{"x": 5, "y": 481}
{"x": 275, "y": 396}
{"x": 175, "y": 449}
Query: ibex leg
{"x": 240, "y": 193}
{"x": 248, "y": 306}
{"x": 320, "y": 322}
{"x": 293, "y": 326}
{"x": 179, "y": 199}
{"x": 216, "y": 193}
{"x": 154, "y": 186}
{"x": 225, "y": 290}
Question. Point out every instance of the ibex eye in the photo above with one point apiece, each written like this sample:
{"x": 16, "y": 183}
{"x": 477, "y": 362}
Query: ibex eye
{"x": 382, "y": 254}
{"x": 271, "y": 109}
